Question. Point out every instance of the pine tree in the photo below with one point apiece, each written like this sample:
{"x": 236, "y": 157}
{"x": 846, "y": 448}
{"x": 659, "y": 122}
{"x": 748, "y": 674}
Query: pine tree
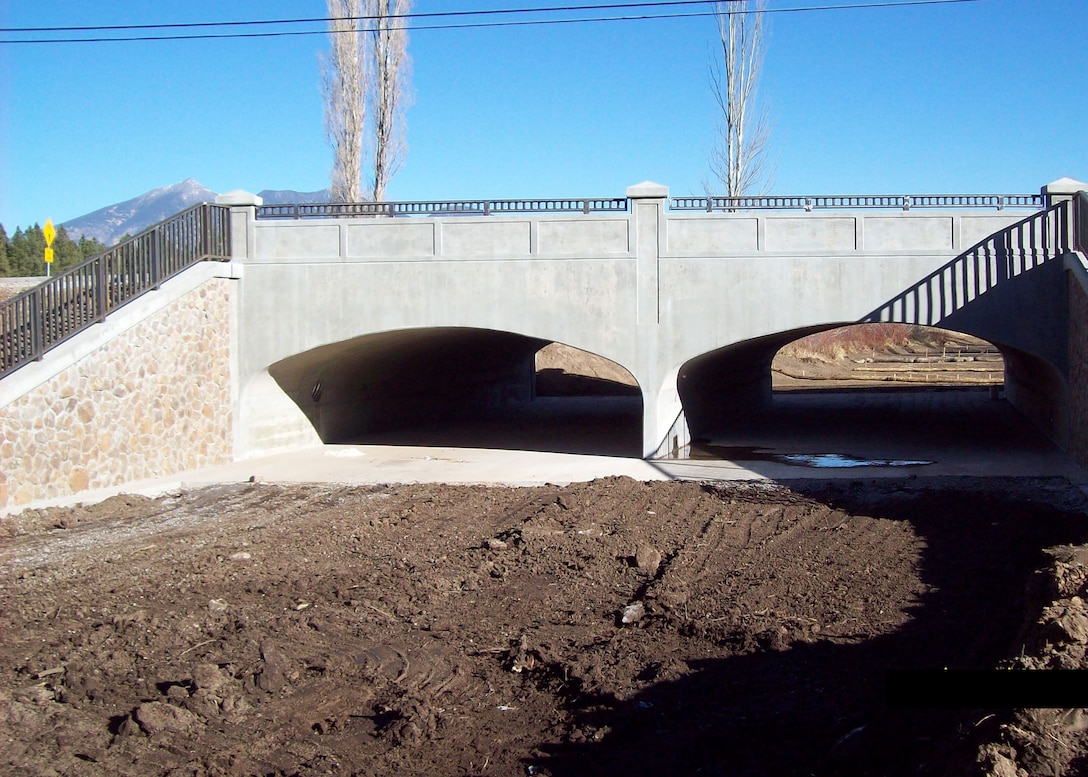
{"x": 5, "y": 268}
{"x": 66, "y": 252}
{"x": 89, "y": 246}
{"x": 27, "y": 252}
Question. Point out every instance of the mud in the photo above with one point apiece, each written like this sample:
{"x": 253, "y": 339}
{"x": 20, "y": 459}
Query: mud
{"x": 613, "y": 627}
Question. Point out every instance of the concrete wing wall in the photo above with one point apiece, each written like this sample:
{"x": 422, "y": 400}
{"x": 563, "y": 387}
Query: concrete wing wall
{"x": 144, "y": 394}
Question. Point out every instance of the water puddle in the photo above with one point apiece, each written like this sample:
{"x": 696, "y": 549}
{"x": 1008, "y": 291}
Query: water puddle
{"x": 703, "y": 450}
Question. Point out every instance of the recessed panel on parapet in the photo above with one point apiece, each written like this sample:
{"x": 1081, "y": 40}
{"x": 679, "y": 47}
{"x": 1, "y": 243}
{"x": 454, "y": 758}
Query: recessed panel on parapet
{"x": 288, "y": 242}
{"x": 907, "y": 233}
{"x": 583, "y": 237}
{"x": 705, "y": 236}
{"x": 485, "y": 239}
{"x": 399, "y": 239}
{"x": 975, "y": 229}
{"x": 811, "y": 234}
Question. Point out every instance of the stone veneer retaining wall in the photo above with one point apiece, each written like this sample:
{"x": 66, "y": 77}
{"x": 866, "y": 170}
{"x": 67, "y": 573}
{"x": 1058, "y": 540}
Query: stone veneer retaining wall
{"x": 153, "y": 401}
{"x": 1078, "y": 372}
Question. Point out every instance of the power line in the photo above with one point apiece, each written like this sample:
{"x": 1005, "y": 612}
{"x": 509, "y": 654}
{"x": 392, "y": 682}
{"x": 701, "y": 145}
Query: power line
{"x": 323, "y": 19}
{"x": 407, "y": 18}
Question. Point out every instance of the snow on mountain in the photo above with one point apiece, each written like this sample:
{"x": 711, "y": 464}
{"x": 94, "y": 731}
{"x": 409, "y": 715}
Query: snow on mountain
{"x": 132, "y": 216}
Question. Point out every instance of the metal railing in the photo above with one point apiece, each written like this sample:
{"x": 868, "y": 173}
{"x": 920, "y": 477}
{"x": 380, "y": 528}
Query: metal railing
{"x": 1080, "y": 222}
{"x": 621, "y": 205}
{"x": 43, "y": 317}
{"x": 849, "y": 202}
{"x": 442, "y": 208}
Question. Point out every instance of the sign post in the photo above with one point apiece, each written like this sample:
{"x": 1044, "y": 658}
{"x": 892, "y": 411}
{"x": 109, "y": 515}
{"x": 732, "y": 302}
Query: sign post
{"x": 49, "y": 234}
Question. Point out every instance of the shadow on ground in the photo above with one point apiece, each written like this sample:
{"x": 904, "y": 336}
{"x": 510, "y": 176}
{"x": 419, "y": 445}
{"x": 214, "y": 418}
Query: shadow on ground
{"x": 591, "y": 425}
{"x": 789, "y": 703}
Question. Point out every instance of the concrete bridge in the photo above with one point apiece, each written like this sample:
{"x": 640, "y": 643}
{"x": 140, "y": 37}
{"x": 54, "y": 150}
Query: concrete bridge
{"x": 346, "y": 321}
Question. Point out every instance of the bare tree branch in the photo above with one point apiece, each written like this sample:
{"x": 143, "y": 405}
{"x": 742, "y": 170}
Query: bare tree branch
{"x": 344, "y": 85}
{"x": 391, "y": 94}
{"x": 739, "y": 160}
{"x": 365, "y": 83}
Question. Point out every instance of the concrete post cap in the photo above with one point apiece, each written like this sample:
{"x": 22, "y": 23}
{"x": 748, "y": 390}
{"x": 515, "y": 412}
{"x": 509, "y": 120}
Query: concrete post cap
{"x": 647, "y": 190}
{"x": 1068, "y": 186}
{"x": 239, "y": 197}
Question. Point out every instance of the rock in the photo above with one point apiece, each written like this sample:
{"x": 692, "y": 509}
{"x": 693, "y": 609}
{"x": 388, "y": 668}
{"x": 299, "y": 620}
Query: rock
{"x": 203, "y": 703}
{"x": 155, "y": 717}
{"x": 209, "y": 677}
{"x": 494, "y": 543}
{"x": 35, "y": 694}
{"x": 648, "y": 559}
{"x": 270, "y": 678}
{"x": 632, "y": 613}
{"x": 272, "y": 675}
{"x": 217, "y": 605}
{"x": 1068, "y": 624}
{"x": 999, "y": 761}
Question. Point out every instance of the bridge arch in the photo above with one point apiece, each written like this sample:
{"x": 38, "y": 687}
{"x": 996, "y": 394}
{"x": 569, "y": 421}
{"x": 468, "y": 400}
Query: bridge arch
{"x": 454, "y": 386}
{"x": 716, "y": 386}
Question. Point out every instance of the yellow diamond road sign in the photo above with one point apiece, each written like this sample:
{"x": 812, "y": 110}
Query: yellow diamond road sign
{"x": 49, "y": 232}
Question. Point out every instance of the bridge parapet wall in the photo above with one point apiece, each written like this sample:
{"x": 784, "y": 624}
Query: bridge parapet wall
{"x": 813, "y": 234}
{"x": 610, "y": 236}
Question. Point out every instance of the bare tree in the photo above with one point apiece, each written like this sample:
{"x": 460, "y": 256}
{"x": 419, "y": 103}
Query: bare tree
{"x": 365, "y": 84}
{"x": 344, "y": 84}
{"x": 391, "y": 95}
{"x": 739, "y": 160}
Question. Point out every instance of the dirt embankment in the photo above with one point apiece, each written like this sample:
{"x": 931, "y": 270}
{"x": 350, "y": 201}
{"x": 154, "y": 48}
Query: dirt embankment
{"x": 854, "y": 356}
{"x": 888, "y": 354}
{"x": 612, "y": 627}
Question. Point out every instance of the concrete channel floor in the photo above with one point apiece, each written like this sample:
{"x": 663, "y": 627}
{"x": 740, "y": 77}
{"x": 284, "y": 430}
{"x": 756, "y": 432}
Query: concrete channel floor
{"x": 959, "y": 432}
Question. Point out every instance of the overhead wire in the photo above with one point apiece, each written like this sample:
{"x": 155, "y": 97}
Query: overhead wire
{"x": 407, "y": 20}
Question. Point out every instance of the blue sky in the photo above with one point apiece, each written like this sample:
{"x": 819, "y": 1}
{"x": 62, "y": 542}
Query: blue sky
{"x": 985, "y": 96}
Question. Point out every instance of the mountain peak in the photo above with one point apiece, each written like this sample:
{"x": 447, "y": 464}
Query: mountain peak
{"x": 133, "y": 216}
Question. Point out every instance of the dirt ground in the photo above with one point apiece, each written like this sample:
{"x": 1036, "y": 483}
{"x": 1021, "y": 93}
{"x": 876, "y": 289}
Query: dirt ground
{"x": 611, "y": 627}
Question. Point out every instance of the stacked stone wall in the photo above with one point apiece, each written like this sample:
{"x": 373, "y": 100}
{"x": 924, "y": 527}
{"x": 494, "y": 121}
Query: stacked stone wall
{"x": 151, "y": 402}
{"x": 1078, "y": 372}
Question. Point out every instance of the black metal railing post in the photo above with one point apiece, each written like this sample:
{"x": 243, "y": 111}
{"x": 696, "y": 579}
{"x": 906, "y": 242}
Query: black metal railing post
{"x": 36, "y": 325}
{"x": 100, "y": 289}
{"x": 1080, "y": 222}
{"x": 156, "y": 259}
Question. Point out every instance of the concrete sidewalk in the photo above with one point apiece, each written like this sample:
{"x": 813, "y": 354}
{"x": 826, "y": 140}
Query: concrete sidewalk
{"x": 368, "y": 464}
{"x": 371, "y": 464}
{"x": 959, "y": 433}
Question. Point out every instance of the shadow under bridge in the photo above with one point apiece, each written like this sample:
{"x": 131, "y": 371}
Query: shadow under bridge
{"x": 451, "y": 387}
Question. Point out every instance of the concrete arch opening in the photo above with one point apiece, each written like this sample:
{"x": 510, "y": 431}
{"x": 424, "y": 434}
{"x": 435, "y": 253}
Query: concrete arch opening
{"x": 461, "y": 387}
{"x": 865, "y": 395}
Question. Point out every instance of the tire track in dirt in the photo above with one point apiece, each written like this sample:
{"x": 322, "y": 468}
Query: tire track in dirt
{"x": 471, "y": 630}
